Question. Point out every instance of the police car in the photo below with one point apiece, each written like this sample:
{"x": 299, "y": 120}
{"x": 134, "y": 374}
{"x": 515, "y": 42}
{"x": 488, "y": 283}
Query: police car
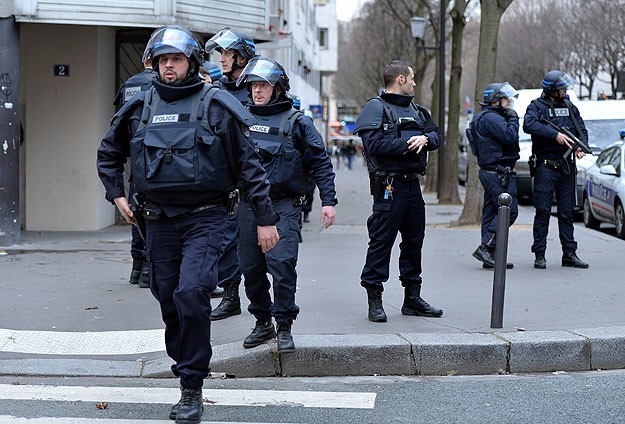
{"x": 604, "y": 189}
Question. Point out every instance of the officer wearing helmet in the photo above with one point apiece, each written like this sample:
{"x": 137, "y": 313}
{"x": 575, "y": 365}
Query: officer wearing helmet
{"x": 189, "y": 146}
{"x": 554, "y": 168}
{"x": 140, "y": 272}
{"x": 236, "y": 49}
{"x": 396, "y": 134}
{"x": 494, "y": 139}
{"x": 292, "y": 150}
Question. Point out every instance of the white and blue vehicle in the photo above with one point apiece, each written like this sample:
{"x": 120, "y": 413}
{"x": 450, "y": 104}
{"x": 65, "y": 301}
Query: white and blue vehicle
{"x": 604, "y": 189}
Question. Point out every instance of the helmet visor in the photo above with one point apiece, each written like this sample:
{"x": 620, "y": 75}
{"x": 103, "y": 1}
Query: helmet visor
{"x": 565, "y": 81}
{"x": 170, "y": 40}
{"x": 508, "y": 91}
{"x": 224, "y": 39}
{"x": 260, "y": 70}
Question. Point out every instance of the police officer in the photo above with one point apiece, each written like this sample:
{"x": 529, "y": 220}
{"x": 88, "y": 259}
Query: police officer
{"x": 494, "y": 136}
{"x": 235, "y": 49}
{"x": 396, "y": 134}
{"x": 188, "y": 143}
{"x": 140, "y": 82}
{"x": 291, "y": 149}
{"x": 555, "y": 169}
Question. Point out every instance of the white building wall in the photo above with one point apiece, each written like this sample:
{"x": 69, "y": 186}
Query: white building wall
{"x": 66, "y": 119}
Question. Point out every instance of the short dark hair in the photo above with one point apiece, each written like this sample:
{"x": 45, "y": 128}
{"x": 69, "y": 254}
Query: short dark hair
{"x": 395, "y": 69}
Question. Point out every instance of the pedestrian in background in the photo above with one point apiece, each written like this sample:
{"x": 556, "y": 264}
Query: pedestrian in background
{"x": 189, "y": 146}
{"x": 494, "y": 139}
{"x": 396, "y": 134}
{"x": 292, "y": 150}
{"x": 554, "y": 168}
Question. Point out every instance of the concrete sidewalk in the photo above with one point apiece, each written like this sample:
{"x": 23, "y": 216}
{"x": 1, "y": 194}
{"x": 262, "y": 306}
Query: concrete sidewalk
{"x": 68, "y": 308}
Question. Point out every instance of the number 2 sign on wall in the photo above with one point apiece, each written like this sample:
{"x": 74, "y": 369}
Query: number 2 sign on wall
{"x": 61, "y": 70}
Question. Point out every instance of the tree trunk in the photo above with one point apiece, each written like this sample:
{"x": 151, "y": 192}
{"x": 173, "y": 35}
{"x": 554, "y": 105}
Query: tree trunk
{"x": 491, "y": 11}
{"x": 449, "y": 190}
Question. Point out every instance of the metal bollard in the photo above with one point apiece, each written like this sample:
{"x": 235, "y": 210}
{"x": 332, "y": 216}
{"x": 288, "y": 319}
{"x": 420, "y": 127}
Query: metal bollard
{"x": 501, "y": 258}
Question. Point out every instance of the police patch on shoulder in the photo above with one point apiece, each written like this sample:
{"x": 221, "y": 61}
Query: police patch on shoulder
{"x": 246, "y": 130}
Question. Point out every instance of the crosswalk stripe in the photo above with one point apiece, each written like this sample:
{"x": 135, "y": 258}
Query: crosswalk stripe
{"x": 225, "y": 397}
{"x": 7, "y": 419}
{"x": 82, "y": 343}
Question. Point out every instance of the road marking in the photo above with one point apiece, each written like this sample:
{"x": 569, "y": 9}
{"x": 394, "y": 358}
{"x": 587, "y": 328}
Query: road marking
{"x": 82, "y": 343}
{"x": 348, "y": 400}
{"x": 7, "y": 419}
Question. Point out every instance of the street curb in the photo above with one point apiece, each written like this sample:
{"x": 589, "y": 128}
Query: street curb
{"x": 422, "y": 354}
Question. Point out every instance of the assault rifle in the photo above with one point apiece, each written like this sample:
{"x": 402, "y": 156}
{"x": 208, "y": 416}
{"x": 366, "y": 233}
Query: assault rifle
{"x": 577, "y": 143}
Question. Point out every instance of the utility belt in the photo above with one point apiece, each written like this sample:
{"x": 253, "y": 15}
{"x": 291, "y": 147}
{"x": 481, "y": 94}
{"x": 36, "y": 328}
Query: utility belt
{"x": 502, "y": 172}
{"x": 380, "y": 183}
{"x": 553, "y": 164}
{"x": 155, "y": 213}
{"x": 297, "y": 201}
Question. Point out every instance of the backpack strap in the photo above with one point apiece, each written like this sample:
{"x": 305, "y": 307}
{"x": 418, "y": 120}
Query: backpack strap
{"x": 206, "y": 96}
{"x": 148, "y": 107}
{"x": 389, "y": 115}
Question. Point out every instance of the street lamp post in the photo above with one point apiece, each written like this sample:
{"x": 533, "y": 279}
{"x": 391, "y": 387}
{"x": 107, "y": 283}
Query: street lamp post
{"x": 417, "y": 26}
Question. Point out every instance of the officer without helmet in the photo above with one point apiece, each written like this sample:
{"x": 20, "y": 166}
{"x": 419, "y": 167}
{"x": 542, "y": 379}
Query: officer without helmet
{"x": 554, "y": 172}
{"x": 189, "y": 146}
{"x": 396, "y": 134}
{"x": 292, "y": 150}
{"x": 494, "y": 139}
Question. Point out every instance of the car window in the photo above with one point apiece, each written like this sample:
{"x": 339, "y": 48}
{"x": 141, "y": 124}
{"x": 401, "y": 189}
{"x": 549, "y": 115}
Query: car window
{"x": 603, "y": 158}
{"x": 603, "y": 132}
{"x": 616, "y": 160}
{"x": 610, "y": 156}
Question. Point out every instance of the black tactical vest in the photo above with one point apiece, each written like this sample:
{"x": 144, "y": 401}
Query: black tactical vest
{"x": 400, "y": 122}
{"x": 174, "y": 148}
{"x": 273, "y": 136}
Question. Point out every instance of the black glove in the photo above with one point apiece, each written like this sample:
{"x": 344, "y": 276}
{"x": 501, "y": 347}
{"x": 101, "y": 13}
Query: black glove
{"x": 511, "y": 113}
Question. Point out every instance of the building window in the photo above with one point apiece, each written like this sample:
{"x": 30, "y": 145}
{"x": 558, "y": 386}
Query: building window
{"x": 323, "y": 38}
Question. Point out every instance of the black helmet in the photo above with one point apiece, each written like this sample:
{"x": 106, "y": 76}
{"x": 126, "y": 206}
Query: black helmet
{"x": 262, "y": 68}
{"x": 229, "y": 39}
{"x": 498, "y": 90}
{"x": 173, "y": 39}
{"x": 556, "y": 80}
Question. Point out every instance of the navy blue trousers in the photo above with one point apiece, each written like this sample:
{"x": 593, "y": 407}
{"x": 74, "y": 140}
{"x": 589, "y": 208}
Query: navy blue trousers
{"x": 403, "y": 214}
{"x": 490, "y": 210}
{"x": 546, "y": 182}
{"x": 183, "y": 254}
{"x": 228, "y": 265}
{"x": 280, "y": 262}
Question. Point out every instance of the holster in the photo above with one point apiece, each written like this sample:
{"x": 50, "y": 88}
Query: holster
{"x": 531, "y": 162}
{"x": 504, "y": 173}
{"x": 232, "y": 202}
{"x": 136, "y": 206}
{"x": 376, "y": 184}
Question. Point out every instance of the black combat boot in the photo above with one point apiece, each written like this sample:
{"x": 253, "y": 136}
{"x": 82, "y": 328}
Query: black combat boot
{"x": 217, "y": 293}
{"x": 230, "y": 304}
{"x": 144, "y": 279}
{"x": 540, "y": 262}
{"x": 491, "y": 250}
{"x": 135, "y": 273}
{"x": 190, "y": 406}
{"x": 415, "y": 305}
{"x": 376, "y": 311}
{"x": 285, "y": 339}
{"x": 174, "y": 411}
{"x": 263, "y": 331}
{"x": 484, "y": 254}
{"x": 571, "y": 259}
